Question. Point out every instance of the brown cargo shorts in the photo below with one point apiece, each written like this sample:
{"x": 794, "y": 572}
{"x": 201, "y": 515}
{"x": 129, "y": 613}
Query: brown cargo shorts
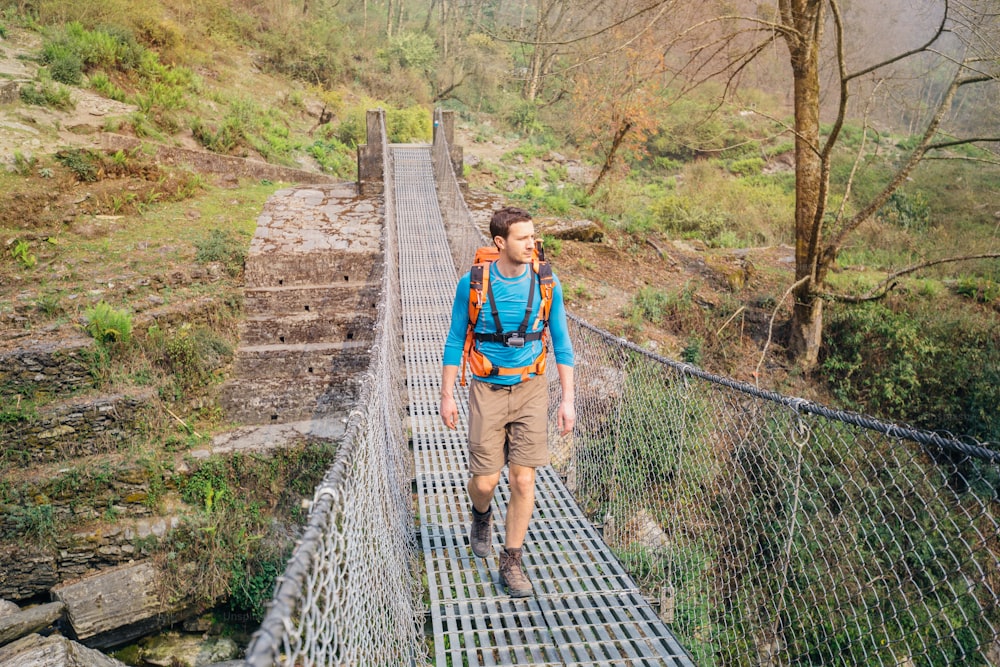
{"x": 508, "y": 424}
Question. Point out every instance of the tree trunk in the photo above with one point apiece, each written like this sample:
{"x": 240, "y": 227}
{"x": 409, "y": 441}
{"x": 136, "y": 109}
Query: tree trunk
{"x": 807, "y": 315}
{"x": 609, "y": 159}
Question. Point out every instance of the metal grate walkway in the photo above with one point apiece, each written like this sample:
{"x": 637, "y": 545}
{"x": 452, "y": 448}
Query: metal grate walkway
{"x": 587, "y": 609}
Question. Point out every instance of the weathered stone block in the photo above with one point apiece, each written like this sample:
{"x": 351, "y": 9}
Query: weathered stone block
{"x": 280, "y": 401}
{"x": 54, "y": 651}
{"x": 308, "y": 327}
{"x": 30, "y": 620}
{"x": 117, "y": 605}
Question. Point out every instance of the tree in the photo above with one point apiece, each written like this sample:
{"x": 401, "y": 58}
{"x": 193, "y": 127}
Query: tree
{"x": 962, "y": 41}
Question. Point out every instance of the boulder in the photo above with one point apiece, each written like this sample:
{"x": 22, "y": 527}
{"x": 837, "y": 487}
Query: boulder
{"x": 28, "y": 621}
{"x": 118, "y": 605}
{"x": 55, "y": 651}
{"x": 571, "y": 230}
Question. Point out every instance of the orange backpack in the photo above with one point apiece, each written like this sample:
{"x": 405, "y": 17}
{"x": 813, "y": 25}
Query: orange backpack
{"x": 480, "y": 293}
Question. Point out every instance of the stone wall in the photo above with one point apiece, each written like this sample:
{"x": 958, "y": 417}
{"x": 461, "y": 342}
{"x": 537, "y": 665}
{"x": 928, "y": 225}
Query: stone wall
{"x": 29, "y": 571}
{"x": 44, "y": 366}
{"x": 78, "y": 427}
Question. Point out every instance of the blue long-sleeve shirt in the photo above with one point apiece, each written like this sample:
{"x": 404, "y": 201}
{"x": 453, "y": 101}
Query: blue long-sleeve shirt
{"x": 511, "y": 298}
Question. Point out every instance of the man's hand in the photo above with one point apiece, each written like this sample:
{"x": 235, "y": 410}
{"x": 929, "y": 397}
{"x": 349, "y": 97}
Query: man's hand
{"x": 449, "y": 412}
{"x": 448, "y": 409}
{"x": 566, "y": 417}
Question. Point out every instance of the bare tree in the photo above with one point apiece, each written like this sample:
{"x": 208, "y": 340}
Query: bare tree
{"x": 816, "y": 33}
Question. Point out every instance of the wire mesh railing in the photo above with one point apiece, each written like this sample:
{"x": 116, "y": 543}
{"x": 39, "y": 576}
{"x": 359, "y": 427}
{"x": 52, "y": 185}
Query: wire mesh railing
{"x": 350, "y": 594}
{"x": 771, "y": 530}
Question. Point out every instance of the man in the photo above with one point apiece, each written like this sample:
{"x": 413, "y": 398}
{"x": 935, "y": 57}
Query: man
{"x": 508, "y": 408}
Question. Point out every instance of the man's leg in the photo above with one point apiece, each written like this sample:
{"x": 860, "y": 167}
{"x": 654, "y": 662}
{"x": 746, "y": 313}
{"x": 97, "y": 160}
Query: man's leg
{"x": 481, "y": 489}
{"x": 522, "y": 504}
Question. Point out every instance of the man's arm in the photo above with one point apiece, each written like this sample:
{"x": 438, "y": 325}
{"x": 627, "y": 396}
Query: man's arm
{"x": 566, "y": 416}
{"x": 448, "y": 409}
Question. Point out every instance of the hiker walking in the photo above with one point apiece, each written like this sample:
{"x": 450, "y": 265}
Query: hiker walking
{"x": 502, "y": 312}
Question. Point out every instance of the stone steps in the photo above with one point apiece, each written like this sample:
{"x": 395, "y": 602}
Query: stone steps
{"x": 313, "y": 280}
{"x": 351, "y": 297}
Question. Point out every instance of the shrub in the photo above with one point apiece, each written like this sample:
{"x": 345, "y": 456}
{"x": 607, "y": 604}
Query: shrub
{"x": 409, "y": 124}
{"x": 47, "y": 94}
{"x": 910, "y": 212}
{"x": 21, "y": 252}
{"x": 106, "y": 324}
{"x": 414, "y": 50}
{"x": 932, "y": 367}
{"x": 83, "y": 163}
{"x": 223, "y": 246}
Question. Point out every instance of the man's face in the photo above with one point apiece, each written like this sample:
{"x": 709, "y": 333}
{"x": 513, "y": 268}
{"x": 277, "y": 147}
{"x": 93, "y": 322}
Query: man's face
{"x": 520, "y": 242}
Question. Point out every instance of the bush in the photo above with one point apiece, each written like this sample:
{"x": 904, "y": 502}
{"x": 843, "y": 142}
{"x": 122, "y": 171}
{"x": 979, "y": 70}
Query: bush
{"x": 108, "y": 325}
{"x": 910, "y": 212}
{"x": 222, "y": 246}
{"x": 414, "y": 50}
{"x": 934, "y": 368}
{"x": 47, "y": 94}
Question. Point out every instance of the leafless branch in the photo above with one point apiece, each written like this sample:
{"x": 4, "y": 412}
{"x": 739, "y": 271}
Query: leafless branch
{"x": 902, "y": 56}
{"x": 884, "y": 287}
{"x": 770, "y": 326}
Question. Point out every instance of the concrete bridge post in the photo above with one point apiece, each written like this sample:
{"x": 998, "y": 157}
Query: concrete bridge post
{"x": 370, "y": 167}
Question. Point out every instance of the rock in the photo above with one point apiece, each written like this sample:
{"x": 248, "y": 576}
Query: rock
{"x": 174, "y": 649}
{"x": 55, "y": 651}
{"x": 575, "y": 230}
{"x": 28, "y": 621}
{"x": 7, "y": 607}
{"x": 118, "y": 605}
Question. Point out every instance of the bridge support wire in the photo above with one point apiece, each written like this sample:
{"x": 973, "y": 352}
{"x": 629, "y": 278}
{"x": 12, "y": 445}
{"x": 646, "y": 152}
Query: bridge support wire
{"x": 587, "y": 609}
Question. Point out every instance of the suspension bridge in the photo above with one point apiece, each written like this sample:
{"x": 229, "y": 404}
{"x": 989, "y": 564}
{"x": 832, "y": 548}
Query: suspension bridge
{"x": 689, "y": 520}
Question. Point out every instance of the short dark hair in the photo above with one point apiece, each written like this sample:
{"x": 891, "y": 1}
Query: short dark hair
{"x": 502, "y": 220}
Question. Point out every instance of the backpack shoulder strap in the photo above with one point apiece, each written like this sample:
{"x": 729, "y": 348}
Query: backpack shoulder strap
{"x": 479, "y": 277}
{"x": 546, "y": 284}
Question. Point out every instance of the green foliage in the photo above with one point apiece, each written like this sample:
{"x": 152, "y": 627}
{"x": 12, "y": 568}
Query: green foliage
{"x": 552, "y": 245}
{"x": 414, "y": 50}
{"x": 936, "y": 368}
{"x": 523, "y": 117}
{"x": 253, "y": 581}
{"x": 680, "y": 214}
{"x": 191, "y": 354}
{"x": 751, "y": 166}
{"x": 108, "y": 325}
{"x": 334, "y": 156}
{"x": 101, "y": 83}
{"x": 981, "y": 290}
{"x": 656, "y": 306}
{"x": 408, "y": 124}
{"x": 83, "y": 163}
{"x": 47, "y": 94}
{"x": 36, "y": 522}
{"x": 876, "y": 356}
{"x": 21, "y": 252}
{"x": 224, "y": 246}
{"x": 910, "y": 212}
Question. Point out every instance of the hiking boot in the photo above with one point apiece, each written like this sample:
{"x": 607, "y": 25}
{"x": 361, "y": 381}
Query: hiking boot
{"x": 512, "y": 574}
{"x": 481, "y": 532}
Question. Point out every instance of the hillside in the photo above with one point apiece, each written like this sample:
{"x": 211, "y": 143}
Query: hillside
{"x": 131, "y": 193}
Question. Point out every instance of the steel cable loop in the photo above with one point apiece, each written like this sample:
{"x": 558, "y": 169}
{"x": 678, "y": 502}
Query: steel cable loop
{"x": 771, "y": 529}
